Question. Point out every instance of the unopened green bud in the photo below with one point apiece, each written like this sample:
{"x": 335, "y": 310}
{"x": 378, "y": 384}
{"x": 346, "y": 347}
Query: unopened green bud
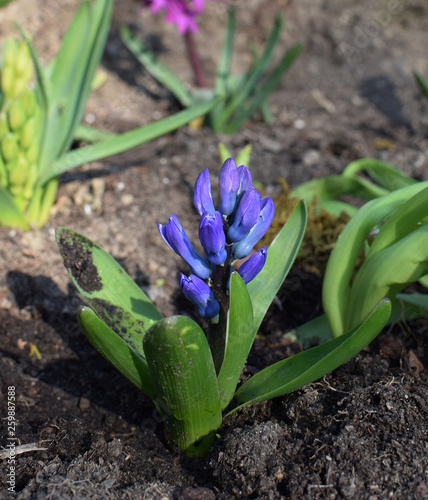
{"x": 7, "y": 80}
{"x": 27, "y": 192}
{"x": 9, "y": 52}
{"x": 23, "y": 60}
{"x": 32, "y": 152}
{"x": 9, "y": 147}
{"x": 28, "y": 99}
{"x": 4, "y": 125}
{"x": 28, "y": 133}
{"x": 16, "y": 115}
{"x": 3, "y": 173}
{"x": 18, "y": 172}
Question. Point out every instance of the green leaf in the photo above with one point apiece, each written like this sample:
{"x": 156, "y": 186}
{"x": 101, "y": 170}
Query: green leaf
{"x": 222, "y": 82}
{"x": 387, "y": 176}
{"x": 401, "y": 223}
{"x": 10, "y": 214}
{"x": 255, "y": 73}
{"x": 90, "y": 134}
{"x": 334, "y": 186}
{"x": 124, "y": 142}
{"x": 386, "y": 273}
{"x": 316, "y": 328}
{"x": 107, "y": 288}
{"x": 265, "y": 89}
{"x": 297, "y": 371}
{"x": 185, "y": 383}
{"x": 115, "y": 350}
{"x": 341, "y": 264}
{"x": 239, "y": 339}
{"x": 158, "y": 71}
{"x": 423, "y": 85}
{"x": 243, "y": 157}
{"x": 73, "y": 72}
{"x": 280, "y": 257}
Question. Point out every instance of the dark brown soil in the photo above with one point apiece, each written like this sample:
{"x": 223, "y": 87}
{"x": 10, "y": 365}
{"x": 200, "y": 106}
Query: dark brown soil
{"x": 362, "y": 431}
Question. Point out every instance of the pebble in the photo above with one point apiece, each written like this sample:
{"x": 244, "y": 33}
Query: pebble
{"x": 84, "y": 404}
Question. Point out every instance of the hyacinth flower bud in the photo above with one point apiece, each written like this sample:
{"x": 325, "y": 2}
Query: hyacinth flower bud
{"x": 251, "y": 267}
{"x": 175, "y": 237}
{"x": 243, "y": 247}
{"x": 245, "y": 180}
{"x": 212, "y": 237}
{"x": 228, "y": 183}
{"x": 246, "y": 216}
{"x": 202, "y": 194}
{"x": 201, "y": 296}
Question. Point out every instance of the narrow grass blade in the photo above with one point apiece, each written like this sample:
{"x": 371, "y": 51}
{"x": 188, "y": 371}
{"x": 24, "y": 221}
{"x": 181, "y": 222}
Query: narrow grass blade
{"x": 91, "y": 134}
{"x": 297, "y": 371}
{"x": 255, "y": 73}
{"x": 264, "y": 90}
{"x": 107, "y": 288}
{"x": 222, "y": 81}
{"x": 280, "y": 257}
{"x": 239, "y": 339}
{"x": 10, "y": 214}
{"x": 185, "y": 383}
{"x": 123, "y": 142}
{"x": 158, "y": 71}
{"x": 115, "y": 350}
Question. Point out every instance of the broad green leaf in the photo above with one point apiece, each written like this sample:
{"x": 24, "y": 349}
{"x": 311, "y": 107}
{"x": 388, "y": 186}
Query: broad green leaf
{"x": 158, "y": 71}
{"x": 239, "y": 339}
{"x": 107, "y": 288}
{"x": 336, "y": 208}
{"x": 255, "y": 73}
{"x": 415, "y": 299}
{"x": 115, "y": 350}
{"x": 423, "y": 85}
{"x": 334, "y": 186}
{"x": 387, "y": 176}
{"x": 340, "y": 266}
{"x": 10, "y": 214}
{"x": 123, "y": 142}
{"x": 185, "y": 383}
{"x": 280, "y": 257}
{"x": 386, "y": 273}
{"x": 72, "y": 74}
{"x": 265, "y": 89}
{"x": 401, "y": 223}
{"x": 316, "y": 328}
{"x": 223, "y": 152}
{"x": 297, "y": 371}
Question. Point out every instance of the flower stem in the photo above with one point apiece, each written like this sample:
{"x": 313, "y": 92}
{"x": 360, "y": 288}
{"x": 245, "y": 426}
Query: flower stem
{"x": 194, "y": 60}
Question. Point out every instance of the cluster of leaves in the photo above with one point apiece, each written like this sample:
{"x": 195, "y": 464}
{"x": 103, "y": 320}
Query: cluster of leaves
{"x": 239, "y": 96}
{"x": 60, "y": 94}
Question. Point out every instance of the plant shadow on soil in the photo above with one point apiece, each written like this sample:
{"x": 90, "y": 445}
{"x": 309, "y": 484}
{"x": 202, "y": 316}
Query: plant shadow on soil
{"x": 361, "y": 431}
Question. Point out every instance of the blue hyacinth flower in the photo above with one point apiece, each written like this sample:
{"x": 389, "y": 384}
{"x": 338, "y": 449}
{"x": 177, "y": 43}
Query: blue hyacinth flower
{"x": 242, "y": 248}
{"x": 201, "y": 296}
{"x": 246, "y": 216}
{"x": 202, "y": 194}
{"x": 175, "y": 237}
{"x": 228, "y": 184}
{"x": 251, "y": 267}
{"x": 212, "y": 237}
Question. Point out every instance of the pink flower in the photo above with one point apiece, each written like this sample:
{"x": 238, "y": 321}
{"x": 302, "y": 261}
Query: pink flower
{"x": 182, "y": 13}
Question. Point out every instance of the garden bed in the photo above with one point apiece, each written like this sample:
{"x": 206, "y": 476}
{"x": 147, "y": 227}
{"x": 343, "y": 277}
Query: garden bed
{"x": 362, "y": 431}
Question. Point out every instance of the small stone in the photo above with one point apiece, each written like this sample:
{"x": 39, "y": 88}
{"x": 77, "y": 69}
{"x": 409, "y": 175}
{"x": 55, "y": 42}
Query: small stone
{"x": 84, "y": 404}
{"x": 126, "y": 199}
